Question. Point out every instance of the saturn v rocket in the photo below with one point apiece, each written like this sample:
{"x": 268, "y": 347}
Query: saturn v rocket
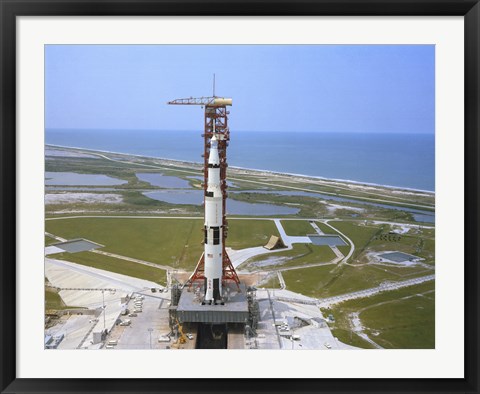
{"x": 214, "y": 268}
{"x": 213, "y": 252}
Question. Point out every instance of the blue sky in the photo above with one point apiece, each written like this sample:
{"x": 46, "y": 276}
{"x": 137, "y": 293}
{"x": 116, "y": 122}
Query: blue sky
{"x": 315, "y": 88}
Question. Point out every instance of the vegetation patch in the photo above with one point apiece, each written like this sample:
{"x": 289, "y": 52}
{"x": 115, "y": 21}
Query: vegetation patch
{"x": 249, "y": 233}
{"x": 50, "y": 240}
{"x": 397, "y": 319}
{"x": 54, "y": 301}
{"x": 360, "y": 235}
{"x": 174, "y": 242}
{"x": 331, "y": 280}
{"x": 298, "y": 227}
{"x": 406, "y": 323}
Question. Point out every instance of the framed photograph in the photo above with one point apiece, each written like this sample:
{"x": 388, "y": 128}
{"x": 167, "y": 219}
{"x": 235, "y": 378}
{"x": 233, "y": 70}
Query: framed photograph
{"x": 221, "y": 196}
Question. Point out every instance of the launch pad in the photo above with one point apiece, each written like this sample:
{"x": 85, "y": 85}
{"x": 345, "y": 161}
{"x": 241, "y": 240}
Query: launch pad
{"x": 234, "y": 310}
{"x": 213, "y": 299}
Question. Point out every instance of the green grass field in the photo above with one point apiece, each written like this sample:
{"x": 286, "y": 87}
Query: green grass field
{"x": 173, "y": 242}
{"x": 112, "y": 264}
{"x": 360, "y": 235}
{"x": 297, "y": 227}
{"x": 404, "y": 272}
{"x": 412, "y": 244}
{"x": 249, "y": 233}
{"x": 326, "y": 229}
{"x": 53, "y": 300}
{"x": 49, "y": 240}
{"x": 308, "y": 281}
{"x": 176, "y": 243}
{"x": 403, "y": 323}
{"x": 399, "y": 319}
{"x": 331, "y": 280}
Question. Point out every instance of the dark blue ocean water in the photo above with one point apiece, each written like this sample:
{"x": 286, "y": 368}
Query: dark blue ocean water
{"x": 404, "y": 160}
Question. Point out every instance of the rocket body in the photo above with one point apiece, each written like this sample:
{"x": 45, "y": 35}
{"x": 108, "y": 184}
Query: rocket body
{"x": 213, "y": 228}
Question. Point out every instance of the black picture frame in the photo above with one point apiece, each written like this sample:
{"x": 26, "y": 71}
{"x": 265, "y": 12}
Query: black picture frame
{"x": 10, "y": 9}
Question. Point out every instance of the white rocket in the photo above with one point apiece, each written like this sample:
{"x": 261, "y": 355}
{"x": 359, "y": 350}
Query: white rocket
{"x": 213, "y": 228}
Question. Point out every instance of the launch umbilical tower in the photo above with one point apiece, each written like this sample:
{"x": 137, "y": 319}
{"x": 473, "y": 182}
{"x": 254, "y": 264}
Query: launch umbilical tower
{"x": 214, "y": 267}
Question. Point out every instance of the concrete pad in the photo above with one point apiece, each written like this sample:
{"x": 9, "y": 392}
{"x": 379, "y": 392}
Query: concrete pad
{"x": 313, "y": 334}
{"x": 77, "y": 245}
{"x": 52, "y": 250}
{"x": 154, "y": 316}
{"x": 65, "y": 274}
{"x": 240, "y": 256}
{"x": 288, "y": 240}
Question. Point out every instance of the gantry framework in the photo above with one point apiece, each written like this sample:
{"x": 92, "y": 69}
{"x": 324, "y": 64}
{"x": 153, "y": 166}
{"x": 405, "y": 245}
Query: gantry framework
{"x": 216, "y": 114}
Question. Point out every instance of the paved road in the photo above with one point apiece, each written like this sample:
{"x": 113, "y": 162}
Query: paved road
{"x": 281, "y": 280}
{"x": 411, "y": 225}
{"x": 388, "y": 286}
{"x": 316, "y": 228}
{"x": 325, "y": 302}
{"x": 299, "y": 267}
{"x": 352, "y": 245}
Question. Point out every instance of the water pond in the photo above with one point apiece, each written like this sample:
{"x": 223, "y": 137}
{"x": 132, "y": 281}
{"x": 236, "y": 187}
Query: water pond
{"x": 418, "y": 215}
{"x": 74, "y": 179}
{"x": 200, "y": 178}
{"x": 195, "y": 197}
{"x": 160, "y": 180}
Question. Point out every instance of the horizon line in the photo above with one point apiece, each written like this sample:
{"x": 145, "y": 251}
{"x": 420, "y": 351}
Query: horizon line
{"x": 244, "y": 131}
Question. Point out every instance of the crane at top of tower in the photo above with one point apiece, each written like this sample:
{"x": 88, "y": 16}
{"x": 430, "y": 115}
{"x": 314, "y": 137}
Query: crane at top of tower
{"x": 206, "y": 101}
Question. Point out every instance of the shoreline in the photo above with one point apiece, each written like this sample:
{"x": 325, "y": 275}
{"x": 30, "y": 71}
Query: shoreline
{"x": 347, "y": 181}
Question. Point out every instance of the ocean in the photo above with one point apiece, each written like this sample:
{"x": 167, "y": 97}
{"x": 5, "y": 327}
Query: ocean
{"x": 400, "y": 160}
